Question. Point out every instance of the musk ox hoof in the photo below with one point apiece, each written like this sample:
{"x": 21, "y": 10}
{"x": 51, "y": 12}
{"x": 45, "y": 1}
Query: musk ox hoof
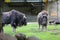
{"x": 33, "y": 38}
{"x": 20, "y": 36}
{"x": 6, "y": 37}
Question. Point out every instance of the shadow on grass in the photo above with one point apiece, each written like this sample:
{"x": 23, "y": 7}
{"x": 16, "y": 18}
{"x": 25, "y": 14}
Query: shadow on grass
{"x": 54, "y": 31}
{"x": 37, "y": 30}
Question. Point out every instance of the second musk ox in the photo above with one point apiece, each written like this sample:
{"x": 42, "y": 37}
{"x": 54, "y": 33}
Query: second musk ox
{"x": 42, "y": 19}
{"x": 13, "y": 17}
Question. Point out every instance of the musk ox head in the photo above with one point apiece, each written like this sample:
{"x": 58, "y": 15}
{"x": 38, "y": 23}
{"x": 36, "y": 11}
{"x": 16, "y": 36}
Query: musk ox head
{"x": 24, "y": 20}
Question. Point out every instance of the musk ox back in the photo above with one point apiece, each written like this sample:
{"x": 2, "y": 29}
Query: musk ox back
{"x": 42, "y": 19}
{"x": 13, "y": 17}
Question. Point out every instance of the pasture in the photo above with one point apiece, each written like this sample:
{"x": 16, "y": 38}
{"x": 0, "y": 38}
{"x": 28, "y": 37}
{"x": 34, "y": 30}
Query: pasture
{"x": 52, "y": 33}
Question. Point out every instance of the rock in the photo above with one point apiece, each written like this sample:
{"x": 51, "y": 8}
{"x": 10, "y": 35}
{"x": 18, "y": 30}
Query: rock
{"x": 20, "y": 36}
{"x": 23, "y": 37}
{"x": 6, "y": 37}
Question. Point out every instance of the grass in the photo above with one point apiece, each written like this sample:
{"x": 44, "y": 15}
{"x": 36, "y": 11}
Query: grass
{"x": 53, "y": 32}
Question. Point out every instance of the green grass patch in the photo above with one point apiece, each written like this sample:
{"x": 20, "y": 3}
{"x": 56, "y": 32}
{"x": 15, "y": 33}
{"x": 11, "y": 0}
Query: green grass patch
{"x": 53, "y": 32}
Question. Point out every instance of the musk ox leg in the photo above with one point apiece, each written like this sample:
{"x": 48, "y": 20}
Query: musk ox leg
{"x": 39, "y": 22}
{"x": 44, "y": 27}
{"x": 1, "y": 28}
{"x": 39, "y": 27}
{"x": 14, "y": 27}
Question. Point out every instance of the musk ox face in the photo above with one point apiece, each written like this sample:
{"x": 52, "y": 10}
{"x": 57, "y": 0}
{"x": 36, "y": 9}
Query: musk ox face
{"x": 24, "y": 21}
{"x": 44, "y": 20}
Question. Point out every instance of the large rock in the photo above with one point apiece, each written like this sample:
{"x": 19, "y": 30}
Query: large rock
{"x": 20, "y": 36}
{"x": 23, "y": 37}
{"x": 6, "y": 37}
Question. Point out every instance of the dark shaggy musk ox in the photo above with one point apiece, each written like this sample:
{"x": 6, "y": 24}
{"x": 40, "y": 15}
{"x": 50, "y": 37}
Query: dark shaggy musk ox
{"x": 50, "y": 22}
{"x": 42, "y": 19}
{"x": 56, "y": 21}
{"x": 13, "y": 17}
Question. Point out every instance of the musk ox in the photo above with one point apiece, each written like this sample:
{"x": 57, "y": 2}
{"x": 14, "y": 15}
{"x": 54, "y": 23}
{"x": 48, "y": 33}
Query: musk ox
{"x": 42, "y": 19}
{"x": 56, "y": 21}
{"x": 13, "y": 17}
{"x": 51, "y": 22}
